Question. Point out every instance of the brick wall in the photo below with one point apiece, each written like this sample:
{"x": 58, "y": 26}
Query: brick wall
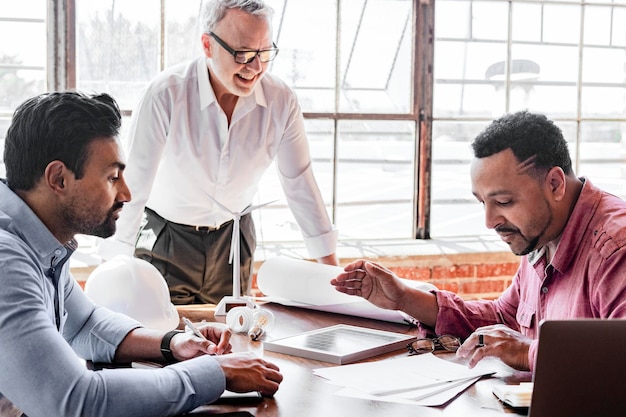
{"x": 472, "y": 276}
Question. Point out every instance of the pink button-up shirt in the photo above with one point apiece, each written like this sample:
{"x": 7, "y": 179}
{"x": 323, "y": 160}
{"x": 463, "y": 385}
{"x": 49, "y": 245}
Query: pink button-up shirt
{"x": 586, "y": 279}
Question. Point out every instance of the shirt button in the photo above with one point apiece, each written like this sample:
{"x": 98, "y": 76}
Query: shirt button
{"x": 544, "y": 290}
{"x": 57, "y": 252}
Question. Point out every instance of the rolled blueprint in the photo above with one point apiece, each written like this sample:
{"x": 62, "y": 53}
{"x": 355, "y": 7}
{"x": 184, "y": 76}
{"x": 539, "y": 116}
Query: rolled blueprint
{"x": 301, "y": 283}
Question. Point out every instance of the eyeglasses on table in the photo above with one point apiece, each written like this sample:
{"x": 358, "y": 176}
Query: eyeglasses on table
{"x": 428, "y": 345}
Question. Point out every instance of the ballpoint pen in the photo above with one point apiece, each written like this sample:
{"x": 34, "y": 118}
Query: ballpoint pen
{"x": 193, "y": 328}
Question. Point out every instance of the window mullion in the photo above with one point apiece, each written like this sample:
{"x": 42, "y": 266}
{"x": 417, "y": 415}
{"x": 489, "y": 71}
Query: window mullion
{"x": 61, "y": 45}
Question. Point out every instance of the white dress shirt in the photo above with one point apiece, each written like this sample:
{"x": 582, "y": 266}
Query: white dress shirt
{"x": 181, "y": 152}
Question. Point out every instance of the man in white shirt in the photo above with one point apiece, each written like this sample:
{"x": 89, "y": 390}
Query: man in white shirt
{"x": 206, "y": 131}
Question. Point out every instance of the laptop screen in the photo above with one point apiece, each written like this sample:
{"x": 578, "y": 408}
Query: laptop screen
{"x": 580, "y": 369}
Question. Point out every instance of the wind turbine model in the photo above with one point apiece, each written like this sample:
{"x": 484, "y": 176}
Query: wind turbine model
{"x": 236, "y": 300}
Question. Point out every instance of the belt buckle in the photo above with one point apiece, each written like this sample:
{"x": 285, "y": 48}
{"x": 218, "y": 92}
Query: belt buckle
{"x": 206, "y": 229}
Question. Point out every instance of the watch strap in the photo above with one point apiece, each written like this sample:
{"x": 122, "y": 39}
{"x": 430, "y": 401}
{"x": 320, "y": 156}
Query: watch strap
{"x": 165, "y": 345}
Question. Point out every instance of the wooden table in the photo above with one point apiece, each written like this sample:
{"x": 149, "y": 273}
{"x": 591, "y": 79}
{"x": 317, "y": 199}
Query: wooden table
{"x": 302, "y": 394}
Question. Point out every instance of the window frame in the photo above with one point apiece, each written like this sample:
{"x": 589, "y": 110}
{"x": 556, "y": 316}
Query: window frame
{"x": 62, "y": 75}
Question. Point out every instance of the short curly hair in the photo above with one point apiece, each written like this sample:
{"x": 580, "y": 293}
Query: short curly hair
{"x": 528, "y": 135}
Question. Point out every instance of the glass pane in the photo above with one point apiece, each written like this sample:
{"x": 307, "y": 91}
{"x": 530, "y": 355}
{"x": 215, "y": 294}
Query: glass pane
{"x": 570, "y": 131}
{"x": 459, "y": 219}
{"x": 526, "y": 25}
{"x": 454, "y": 210}
{"x": 459, "y": 100}
{"x": 597, "y": 26}
{"x": 602, "y": 155}
{"x": 490, "y": 20}
{"x": 29, "y": 9}
{"x": 561, "y": 23}
{"x": 618, "y": 37}
{"x": 17, "y": 85}
{"x": 604, "y": 65}
{"x": 554, "y": 101}
{"x": 467, "y": 81}
{"x": 117, "y": 47}
{"x": 483, "y": 100}
{"x": 603, "y": 101}
{"x": 182, "y": 39}
{"x": 605, "y": 26}
{"x": 556, "y": 63}
{"x": 308, "y": 63}
{"x": 305, "y": 62}
{"x": 388, "y": 220}
{"x": 467, "y": 60}
{"x": 545, "y": 80}
{"x": 30, "y": 50}
{"x": 452, "y": 19}
{"x": 275, "y": 222}
{"x": 23, "y": 62}
{"x": 386, "y": 86}
{"x": 375, "y": 179}
{"x": 322, "y": 148}
{"x": 23, "y": 55}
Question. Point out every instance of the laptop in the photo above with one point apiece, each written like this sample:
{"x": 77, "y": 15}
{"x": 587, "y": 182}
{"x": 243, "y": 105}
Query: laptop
{"x": 580, "y": 369}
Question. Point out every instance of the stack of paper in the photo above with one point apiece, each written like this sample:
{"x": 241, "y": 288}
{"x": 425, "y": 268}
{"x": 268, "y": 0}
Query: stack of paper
{"x": 420, "y": 379}
{"x": 515, "y": 395}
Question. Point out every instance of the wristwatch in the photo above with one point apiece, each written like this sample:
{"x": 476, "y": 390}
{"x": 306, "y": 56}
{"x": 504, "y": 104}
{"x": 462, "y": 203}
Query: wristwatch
{"x": 165, "y": 345}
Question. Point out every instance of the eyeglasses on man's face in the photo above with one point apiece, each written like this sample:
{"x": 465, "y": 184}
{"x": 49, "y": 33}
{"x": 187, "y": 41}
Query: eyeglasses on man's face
{"x": 446, "y": 342}
{"x": 245, "y": 57}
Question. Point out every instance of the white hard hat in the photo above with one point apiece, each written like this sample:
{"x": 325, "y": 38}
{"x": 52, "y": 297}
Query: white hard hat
{"x": 134, "y": 287}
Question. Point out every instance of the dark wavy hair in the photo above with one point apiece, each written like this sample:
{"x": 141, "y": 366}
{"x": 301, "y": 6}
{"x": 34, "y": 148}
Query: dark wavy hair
{"x": 56, "y": 126}
{"x": 528, "y": 135}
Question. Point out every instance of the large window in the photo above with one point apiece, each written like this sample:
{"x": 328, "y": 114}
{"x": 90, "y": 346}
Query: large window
{"x": 352, "y": 70}
{"x": 393, "y": 91}
{"x": 566, "y": 59}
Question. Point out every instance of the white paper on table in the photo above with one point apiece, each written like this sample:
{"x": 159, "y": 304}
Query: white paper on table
{"x": 429, "y": 397}
{"x": 301, "y": 283}
{"x": 397, "y": 376}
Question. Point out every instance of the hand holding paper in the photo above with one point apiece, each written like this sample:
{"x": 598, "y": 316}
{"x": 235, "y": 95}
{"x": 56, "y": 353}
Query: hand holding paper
{"x": 306, "y": 284}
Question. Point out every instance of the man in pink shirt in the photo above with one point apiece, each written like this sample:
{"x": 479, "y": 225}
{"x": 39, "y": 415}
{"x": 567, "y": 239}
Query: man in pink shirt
{"x": 570, "y": 234}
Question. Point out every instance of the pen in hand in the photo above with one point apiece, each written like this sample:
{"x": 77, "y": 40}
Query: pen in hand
{"x": 193, "y": 328}
{"x": 197, "y": 333}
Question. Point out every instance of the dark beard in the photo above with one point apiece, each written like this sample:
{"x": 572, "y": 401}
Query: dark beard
{"x": 531, "y": 247}
{"x": 105, "y": 229}
{"x": 84, "y": 225}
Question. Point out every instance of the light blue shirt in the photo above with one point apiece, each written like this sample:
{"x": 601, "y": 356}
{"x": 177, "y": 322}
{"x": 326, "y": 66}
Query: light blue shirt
{"x": 47, "y": 324}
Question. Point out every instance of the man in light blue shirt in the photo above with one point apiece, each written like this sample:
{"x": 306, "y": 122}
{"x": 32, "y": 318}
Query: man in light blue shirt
{"x": 65, "y": 176}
